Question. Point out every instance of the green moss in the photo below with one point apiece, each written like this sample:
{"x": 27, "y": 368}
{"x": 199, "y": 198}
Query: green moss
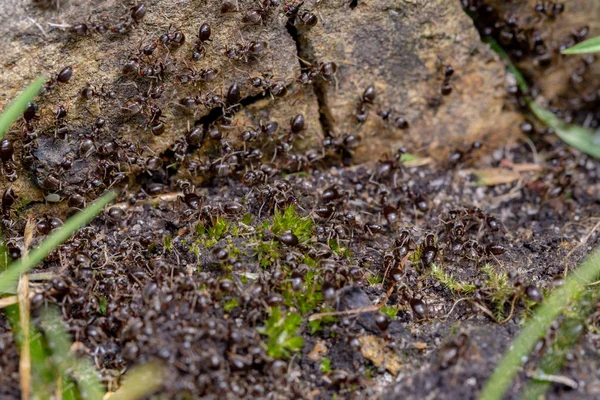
{"x": 450, "y": 282}
{"x": 415, "y": 256}
{"x": 247, "y": 219}
{"x": 281, "y": 331}
{"x": 375, "y": 279}
{"x": 231, "y": 304}
{"x": 217, "y": 231}
{"x": 338, "y": 249}
{"x": 267, "y": 252}
{"x": 290, "y": 221}
{"x": 325, "y": 365}
{"x": 167, "y": 242}
{"x": 391, "y": 312}
{"x": 501, "y": 292}
{"x": 102, "y": 303}
{"x": 317, "y": 325}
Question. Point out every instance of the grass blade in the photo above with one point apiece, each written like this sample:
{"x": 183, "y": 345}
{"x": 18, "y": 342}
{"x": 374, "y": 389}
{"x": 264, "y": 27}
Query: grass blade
{"x": 140, "y": 382}
{"x": 538, "y": 325}
{"x": 521, "y": 82}
{"x": 9, "y": 278}
{"x": 582, "y": 139}
{"x": 588, "y": 46}
{"x": 81, "y": 369}
{"x": 15, "y": 110}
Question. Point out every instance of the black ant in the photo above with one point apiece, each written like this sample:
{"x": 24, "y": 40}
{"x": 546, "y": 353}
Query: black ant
{"x": 61, "y": 128}
{"x": 247, "y": 52}
{"x": 204, "y": 75}
{"x": 89, "y": 92}
{"x": 172, "y": 39}
{"x": 367, "y": 98}
{"x": 203, "y": 36}
{"x": 325, "y": 71}
{"x": 296, "y": 17}
{"x": 259, "y": 14}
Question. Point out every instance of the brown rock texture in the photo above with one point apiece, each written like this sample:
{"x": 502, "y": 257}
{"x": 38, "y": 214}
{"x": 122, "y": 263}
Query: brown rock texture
{"x": 533, "y": 33}
{"x": 402, "y": 49}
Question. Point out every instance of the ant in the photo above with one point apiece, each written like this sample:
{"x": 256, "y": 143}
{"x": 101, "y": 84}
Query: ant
{"x": 203, "y": 36}
{"x": 90, "y": 91}
{"x": 259, "y": 14}
{"x": 172, "y": 39}
{"x": 390, "y": 165}
{"x": 209, "y": 101}
{"x": 247, "y": 52}
{"x": 297, "y": 18}
{"x": 204, "y": 75}
{"x": 448, "y": 72}
{"x": 549, "y": 8}
{"x": 61, "y": 128}
{"x": 325, "y": 71}
{"x": 265, "y": 84}
{"x": 366, "y": 98}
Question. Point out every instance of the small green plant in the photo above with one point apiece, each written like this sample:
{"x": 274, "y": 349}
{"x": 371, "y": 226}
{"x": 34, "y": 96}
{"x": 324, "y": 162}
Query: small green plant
{"x": 267, "y": 252}
{"x": 415, "y": 256}
{"x": 290, "y": 221}
{"x": 218, "y": 229}
{"x": 338, "y": 249}
{"x": 588, "y": 46}
{"x": 450, "y": 281}
{"x": 231, "y": 304}
{"x": 391, "y": 312}
{"x": 325, "y": 365}
{"x": 501, "y": 293}
{"x": 282, "y": 333}
{"x": 167, "y": 242}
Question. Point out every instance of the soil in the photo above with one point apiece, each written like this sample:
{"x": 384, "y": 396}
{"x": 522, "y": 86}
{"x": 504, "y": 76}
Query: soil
{"x": 217, "y": 252}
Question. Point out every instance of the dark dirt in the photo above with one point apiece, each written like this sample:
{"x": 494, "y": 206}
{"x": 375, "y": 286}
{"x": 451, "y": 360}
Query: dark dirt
{"x": 195, "y": 262}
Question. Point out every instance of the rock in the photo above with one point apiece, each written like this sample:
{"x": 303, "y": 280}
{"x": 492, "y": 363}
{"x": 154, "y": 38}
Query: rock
{"x": 38, "y": 40}
{"x": 352, "y": 298}
{"x": 533, "y": 33}
{"x": 402, "y": 48}
{"x": 122, "y": 64}
{"x": 376, "y": 350}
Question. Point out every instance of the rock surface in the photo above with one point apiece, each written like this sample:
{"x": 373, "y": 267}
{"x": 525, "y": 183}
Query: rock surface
{"x": 401, "y": 49}
{"x": 533, "y": 33}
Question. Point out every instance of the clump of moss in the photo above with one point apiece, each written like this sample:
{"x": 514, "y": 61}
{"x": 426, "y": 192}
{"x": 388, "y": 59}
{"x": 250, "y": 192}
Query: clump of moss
{"x": 450, "y": 281}
{"x": 290, "y": 221}
{"x": 501, "y": 293}
{"x": 281, "y": 331}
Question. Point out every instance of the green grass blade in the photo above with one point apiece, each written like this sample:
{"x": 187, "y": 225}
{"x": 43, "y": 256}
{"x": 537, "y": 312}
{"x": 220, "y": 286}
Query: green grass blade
{"x": 80, "y": 369}
{"x": 553, "y": 361}
{"x": 15, "y": 110}
{"x": 140, "y": 382}
{"x": 43, "y": 376}
{"x": 9, "y": 277}
{"x": 589, "y": 46}
{"x": 3, "y": 253}
{"x": 521, "y": 82}
{"x": 538, "y": 325}
{"x": 582, "y": 139}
